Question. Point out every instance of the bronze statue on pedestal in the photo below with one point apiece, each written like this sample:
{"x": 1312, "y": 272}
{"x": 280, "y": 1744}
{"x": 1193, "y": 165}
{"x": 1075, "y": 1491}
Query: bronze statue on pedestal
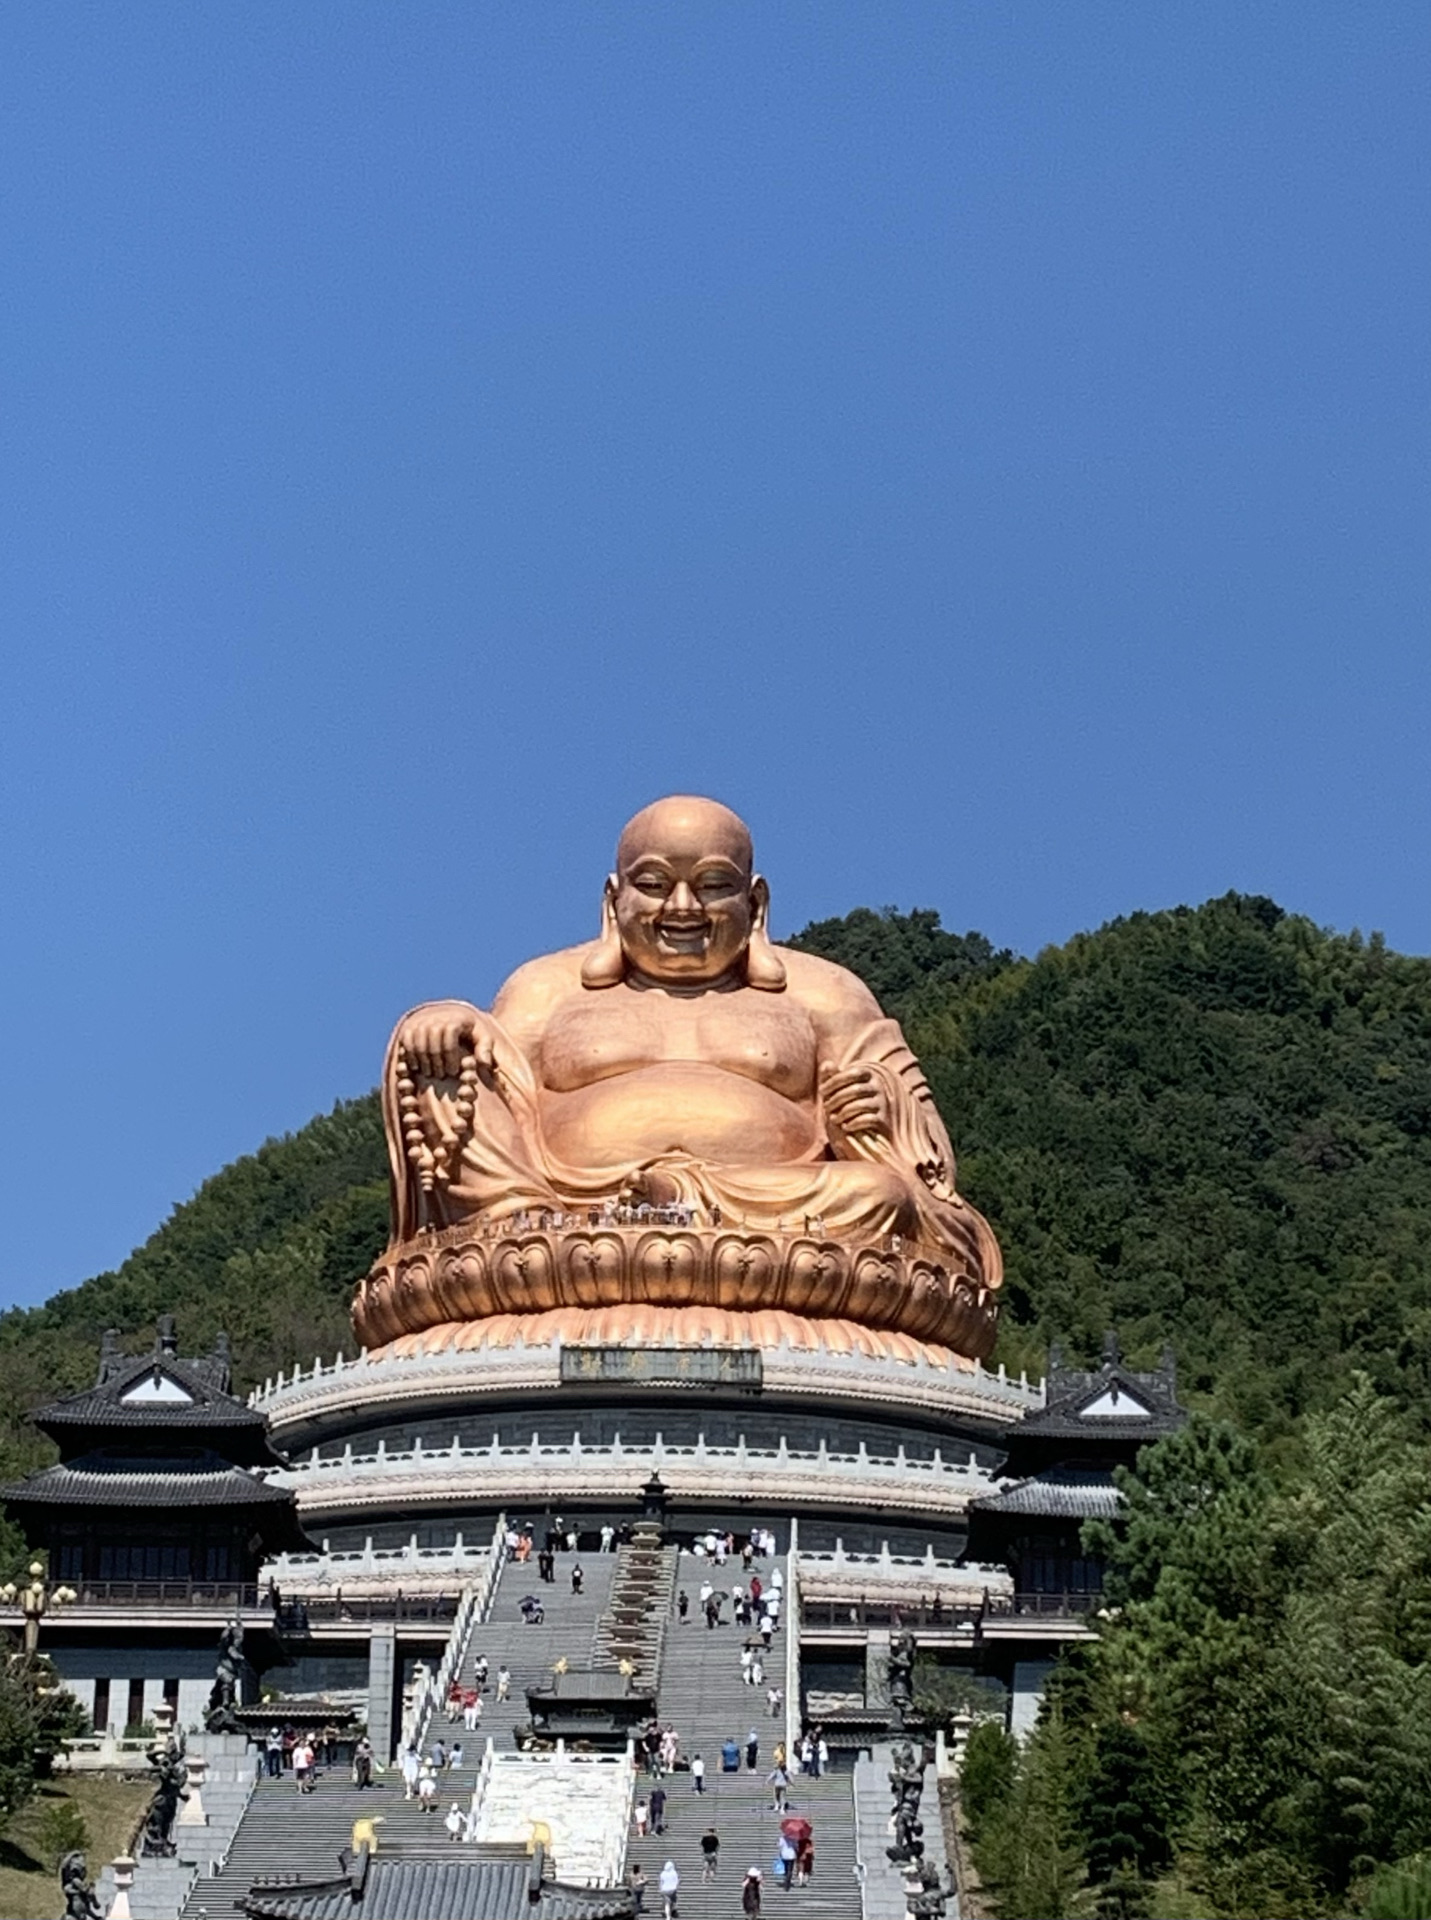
{"x": 676, "y": 1116}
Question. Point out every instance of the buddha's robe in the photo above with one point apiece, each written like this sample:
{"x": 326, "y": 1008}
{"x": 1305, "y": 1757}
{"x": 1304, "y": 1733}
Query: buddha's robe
{"x": 862, "y": 1189}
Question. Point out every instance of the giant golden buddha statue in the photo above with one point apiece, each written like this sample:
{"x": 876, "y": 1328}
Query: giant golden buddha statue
{"x": 677, "y": 1132}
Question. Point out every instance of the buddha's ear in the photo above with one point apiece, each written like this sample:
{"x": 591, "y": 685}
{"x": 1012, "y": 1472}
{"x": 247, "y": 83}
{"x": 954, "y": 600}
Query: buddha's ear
{"x": 605, "y": 965}
{"x": 763, "y": 966}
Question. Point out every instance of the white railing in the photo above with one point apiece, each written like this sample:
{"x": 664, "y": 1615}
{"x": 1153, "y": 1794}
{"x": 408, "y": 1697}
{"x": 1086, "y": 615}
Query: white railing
{"x": 793, "y": 1716}
{"x": 821, "y": 1459}
{"x": 471, "y": 1608}
{"x": 838, "y": 1567}
{"x": 354, "y": 1568}
{"x": 421, "y": 1476}
{"x": 860, "y": 1869}
{"x": 950, "y": 1385}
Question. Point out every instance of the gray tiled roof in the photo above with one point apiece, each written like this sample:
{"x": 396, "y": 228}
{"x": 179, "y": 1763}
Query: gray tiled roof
{"x": 1063, "y": 1493}
{"x": 140, "y": 1483}
{"x": 456, "y": 1889}
{"x": 1070, "y": 1392}
{"x": 103, "y": 1405}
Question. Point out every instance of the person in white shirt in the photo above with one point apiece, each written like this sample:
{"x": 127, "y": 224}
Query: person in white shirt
{"x": 670, "y": 1882}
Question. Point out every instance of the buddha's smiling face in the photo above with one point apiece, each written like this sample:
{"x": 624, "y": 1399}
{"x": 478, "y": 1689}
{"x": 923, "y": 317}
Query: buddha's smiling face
{"x": 684, "y": 895}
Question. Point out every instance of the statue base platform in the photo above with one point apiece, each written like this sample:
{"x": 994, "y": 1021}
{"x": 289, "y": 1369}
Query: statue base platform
{"x": 767, "y": 1329}
{"x": 657, "y": 1277}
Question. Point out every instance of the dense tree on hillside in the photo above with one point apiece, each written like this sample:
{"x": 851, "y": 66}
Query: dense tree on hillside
{"x": 1256, "y": 1705}
{"x": 1211, "y": 1125}
{"x": 902, "y": 957}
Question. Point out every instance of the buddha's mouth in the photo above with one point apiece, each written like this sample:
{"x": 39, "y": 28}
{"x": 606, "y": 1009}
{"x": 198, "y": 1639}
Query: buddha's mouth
{"x": 684, "y": 936}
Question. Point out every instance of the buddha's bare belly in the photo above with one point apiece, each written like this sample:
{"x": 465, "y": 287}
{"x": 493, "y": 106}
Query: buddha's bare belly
{"x": 677, "y": 1106}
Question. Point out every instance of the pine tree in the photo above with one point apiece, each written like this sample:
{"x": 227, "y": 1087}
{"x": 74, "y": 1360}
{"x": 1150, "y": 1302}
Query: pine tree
{"x": 1032, "y": 1852}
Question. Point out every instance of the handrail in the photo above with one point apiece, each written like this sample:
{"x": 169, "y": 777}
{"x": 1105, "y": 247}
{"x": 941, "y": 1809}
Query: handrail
{"x": 475, "y": 1598}
{"x": 820, "y": 1460}
{"x": 794, "y": 1718}
{"x": 864, "y": 1610}
{"x": 860, "y": 1868}
{"x": 230, "y": 1594}
{"x": 290, "y": 1390}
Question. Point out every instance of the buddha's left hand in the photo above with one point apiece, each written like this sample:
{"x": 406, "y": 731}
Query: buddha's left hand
{"x": 855, "y": 1103}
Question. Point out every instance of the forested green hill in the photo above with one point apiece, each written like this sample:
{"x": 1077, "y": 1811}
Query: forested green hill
{"x": 1211, "y": 1125}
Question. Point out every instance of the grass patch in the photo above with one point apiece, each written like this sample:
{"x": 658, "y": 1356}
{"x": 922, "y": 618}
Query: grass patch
{"x": 108, "y": 1804}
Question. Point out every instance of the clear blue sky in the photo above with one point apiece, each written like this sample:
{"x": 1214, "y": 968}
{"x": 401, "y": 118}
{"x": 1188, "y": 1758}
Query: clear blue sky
{"x": 986, "y": 444}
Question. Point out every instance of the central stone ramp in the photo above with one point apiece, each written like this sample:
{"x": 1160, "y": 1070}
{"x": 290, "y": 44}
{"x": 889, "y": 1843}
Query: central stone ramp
{"x": 632, "y": 1629}
{"x": 583, "y": 1801}
{"x": 704, "y": 1698}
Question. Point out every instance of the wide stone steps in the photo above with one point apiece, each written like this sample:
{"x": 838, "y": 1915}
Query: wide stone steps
{"x": 703, "y": 1696}
{"x": 298, "y": 1836}
{"x": 531, "y": 1652}
{"x": 289, "y": 1835}
{"x": 161, "y": 1886}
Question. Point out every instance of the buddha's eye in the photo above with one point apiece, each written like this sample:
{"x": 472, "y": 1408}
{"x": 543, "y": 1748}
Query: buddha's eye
{"x": 649, "y": 883}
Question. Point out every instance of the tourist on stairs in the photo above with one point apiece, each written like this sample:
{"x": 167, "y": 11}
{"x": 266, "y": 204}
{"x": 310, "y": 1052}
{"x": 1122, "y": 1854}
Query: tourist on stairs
{"x": 670, "y": 1885}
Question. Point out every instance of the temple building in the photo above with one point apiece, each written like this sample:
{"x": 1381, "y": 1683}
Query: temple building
{"x": 160, "y": 1514}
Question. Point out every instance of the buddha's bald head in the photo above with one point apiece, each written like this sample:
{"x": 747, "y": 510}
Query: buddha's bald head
{"x": 685, "y": 907}
{"x": 685, "y": 824}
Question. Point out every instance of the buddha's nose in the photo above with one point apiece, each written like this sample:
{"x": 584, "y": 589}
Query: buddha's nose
{"x": 682, "y": 900}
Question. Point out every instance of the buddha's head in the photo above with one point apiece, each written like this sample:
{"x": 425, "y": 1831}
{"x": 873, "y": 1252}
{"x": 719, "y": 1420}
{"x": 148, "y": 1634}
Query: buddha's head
{"x": 685, "y": 907}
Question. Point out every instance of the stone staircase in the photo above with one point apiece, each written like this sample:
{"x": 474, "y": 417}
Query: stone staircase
{"x": 703, "y": 1696}
{"x": 568, "y": 1632}
{"x": 885, "y": 1894}
{"x": 290, "y": 1835}
{"x": 701, "y": 1693}
{"x": 160, "y": 1886}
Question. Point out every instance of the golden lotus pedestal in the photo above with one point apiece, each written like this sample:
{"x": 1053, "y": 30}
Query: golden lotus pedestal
{"x": 664, "y": 1285}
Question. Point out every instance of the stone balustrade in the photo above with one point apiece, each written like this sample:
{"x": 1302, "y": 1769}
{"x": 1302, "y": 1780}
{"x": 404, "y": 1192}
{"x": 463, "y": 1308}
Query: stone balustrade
{"x": 834, "y": 1575}
{"x": 568, "y": 1473}
{"x": 368, "y": 1570}
{"x": 313, "y": 1397}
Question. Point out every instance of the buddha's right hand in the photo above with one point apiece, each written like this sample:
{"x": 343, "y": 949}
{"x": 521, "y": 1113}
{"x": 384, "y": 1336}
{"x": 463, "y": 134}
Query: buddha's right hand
{"x": 434, "y": 1038}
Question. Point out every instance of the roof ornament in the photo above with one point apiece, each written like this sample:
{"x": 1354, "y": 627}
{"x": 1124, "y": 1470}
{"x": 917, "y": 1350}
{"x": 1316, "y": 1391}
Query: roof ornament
{"x": 109, "y": 1355}
{"x": 167, "y": 1341}
{"x": 1112, "y": 1352}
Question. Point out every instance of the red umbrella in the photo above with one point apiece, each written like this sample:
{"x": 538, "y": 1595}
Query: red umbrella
{"x": 796, "y": 1829}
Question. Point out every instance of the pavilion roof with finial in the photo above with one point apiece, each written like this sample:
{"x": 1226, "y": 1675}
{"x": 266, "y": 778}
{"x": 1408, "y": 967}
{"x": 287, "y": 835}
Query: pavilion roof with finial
{"x": 159, "y": 1398}
{"x": 1104, "y": 1414}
